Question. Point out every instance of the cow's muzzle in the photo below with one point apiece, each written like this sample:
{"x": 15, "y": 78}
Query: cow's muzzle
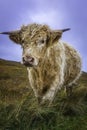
{"x": 28, "y": 61}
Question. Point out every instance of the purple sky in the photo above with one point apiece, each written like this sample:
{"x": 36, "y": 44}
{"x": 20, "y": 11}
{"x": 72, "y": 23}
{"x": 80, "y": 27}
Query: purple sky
{"x": 57, "y": 13}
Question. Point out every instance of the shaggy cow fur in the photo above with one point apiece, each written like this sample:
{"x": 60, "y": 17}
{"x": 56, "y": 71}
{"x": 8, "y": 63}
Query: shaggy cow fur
{"x": 51, "y": 63}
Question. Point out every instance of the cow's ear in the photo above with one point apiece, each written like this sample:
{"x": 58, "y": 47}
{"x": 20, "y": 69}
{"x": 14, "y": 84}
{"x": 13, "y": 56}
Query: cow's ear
{"x": 15, "y": 36}
{"x": 57, "y": 34}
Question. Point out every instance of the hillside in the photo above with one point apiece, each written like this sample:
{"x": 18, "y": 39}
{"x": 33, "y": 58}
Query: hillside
{"x": 13, "y": 81}
{"x": 19, "y": 109}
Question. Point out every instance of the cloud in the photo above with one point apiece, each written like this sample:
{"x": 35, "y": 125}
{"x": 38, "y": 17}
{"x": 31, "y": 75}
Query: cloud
{"x": 57, "y": 14}
{"x": 43, "y": 18}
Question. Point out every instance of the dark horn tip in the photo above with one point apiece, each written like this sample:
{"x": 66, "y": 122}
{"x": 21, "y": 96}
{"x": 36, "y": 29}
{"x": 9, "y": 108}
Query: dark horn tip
{"x": 67, "y": 29}
{"x": 7, "y": 33}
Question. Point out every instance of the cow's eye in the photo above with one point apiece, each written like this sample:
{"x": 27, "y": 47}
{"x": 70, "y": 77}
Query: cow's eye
{"x": 42, "y": 41}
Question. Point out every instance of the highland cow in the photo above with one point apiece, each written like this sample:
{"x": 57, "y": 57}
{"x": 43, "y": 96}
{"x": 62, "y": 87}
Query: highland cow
{"x": 51, "y": 63}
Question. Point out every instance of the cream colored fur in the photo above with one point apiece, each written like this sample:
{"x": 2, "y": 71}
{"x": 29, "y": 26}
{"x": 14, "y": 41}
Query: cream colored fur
{"x": 56, "y": 64}
{"x": 63, "y": 73}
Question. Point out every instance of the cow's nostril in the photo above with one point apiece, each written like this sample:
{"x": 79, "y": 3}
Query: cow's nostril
{"x": 30, "y": 59}
{"x": 23, "y": 59}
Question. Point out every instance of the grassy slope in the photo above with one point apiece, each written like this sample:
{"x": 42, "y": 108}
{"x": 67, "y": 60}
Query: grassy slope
{"x": 19, "y": 109}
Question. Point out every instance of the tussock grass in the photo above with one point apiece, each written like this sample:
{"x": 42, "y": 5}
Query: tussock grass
{"x": 19, "y": 109}
{"x": 63, "y": 114}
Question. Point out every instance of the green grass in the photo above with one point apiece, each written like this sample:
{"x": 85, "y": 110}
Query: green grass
{"x": 19, "y": 109}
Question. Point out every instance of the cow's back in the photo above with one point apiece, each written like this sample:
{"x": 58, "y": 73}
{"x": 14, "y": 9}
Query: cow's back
{"x": 72, "y": 65}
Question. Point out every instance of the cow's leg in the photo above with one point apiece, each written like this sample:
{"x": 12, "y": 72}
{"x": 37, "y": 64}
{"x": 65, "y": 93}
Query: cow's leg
{"x": 49, "y": 95}
{"x": 69, "y": 90}
{"x": 51, "y": 92}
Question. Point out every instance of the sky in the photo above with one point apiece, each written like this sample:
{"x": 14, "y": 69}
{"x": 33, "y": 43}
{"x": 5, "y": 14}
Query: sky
{"x": 58, "y": 14}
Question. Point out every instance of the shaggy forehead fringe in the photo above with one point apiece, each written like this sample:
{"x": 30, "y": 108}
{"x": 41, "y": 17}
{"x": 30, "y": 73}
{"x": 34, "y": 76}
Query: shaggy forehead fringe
{"x": 33, "y": 28}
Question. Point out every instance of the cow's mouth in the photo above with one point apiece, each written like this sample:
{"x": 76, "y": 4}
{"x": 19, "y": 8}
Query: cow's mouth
{"x": 28, "y": 64}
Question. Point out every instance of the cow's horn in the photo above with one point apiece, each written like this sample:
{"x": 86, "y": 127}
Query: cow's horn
{"x": 64, "y": 30}
{"x": 10, "y": 32}
{"x": 6, "y": 33}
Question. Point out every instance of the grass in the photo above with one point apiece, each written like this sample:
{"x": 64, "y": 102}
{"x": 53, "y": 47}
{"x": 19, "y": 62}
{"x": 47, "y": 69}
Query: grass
{"x": 19, "y": 109}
